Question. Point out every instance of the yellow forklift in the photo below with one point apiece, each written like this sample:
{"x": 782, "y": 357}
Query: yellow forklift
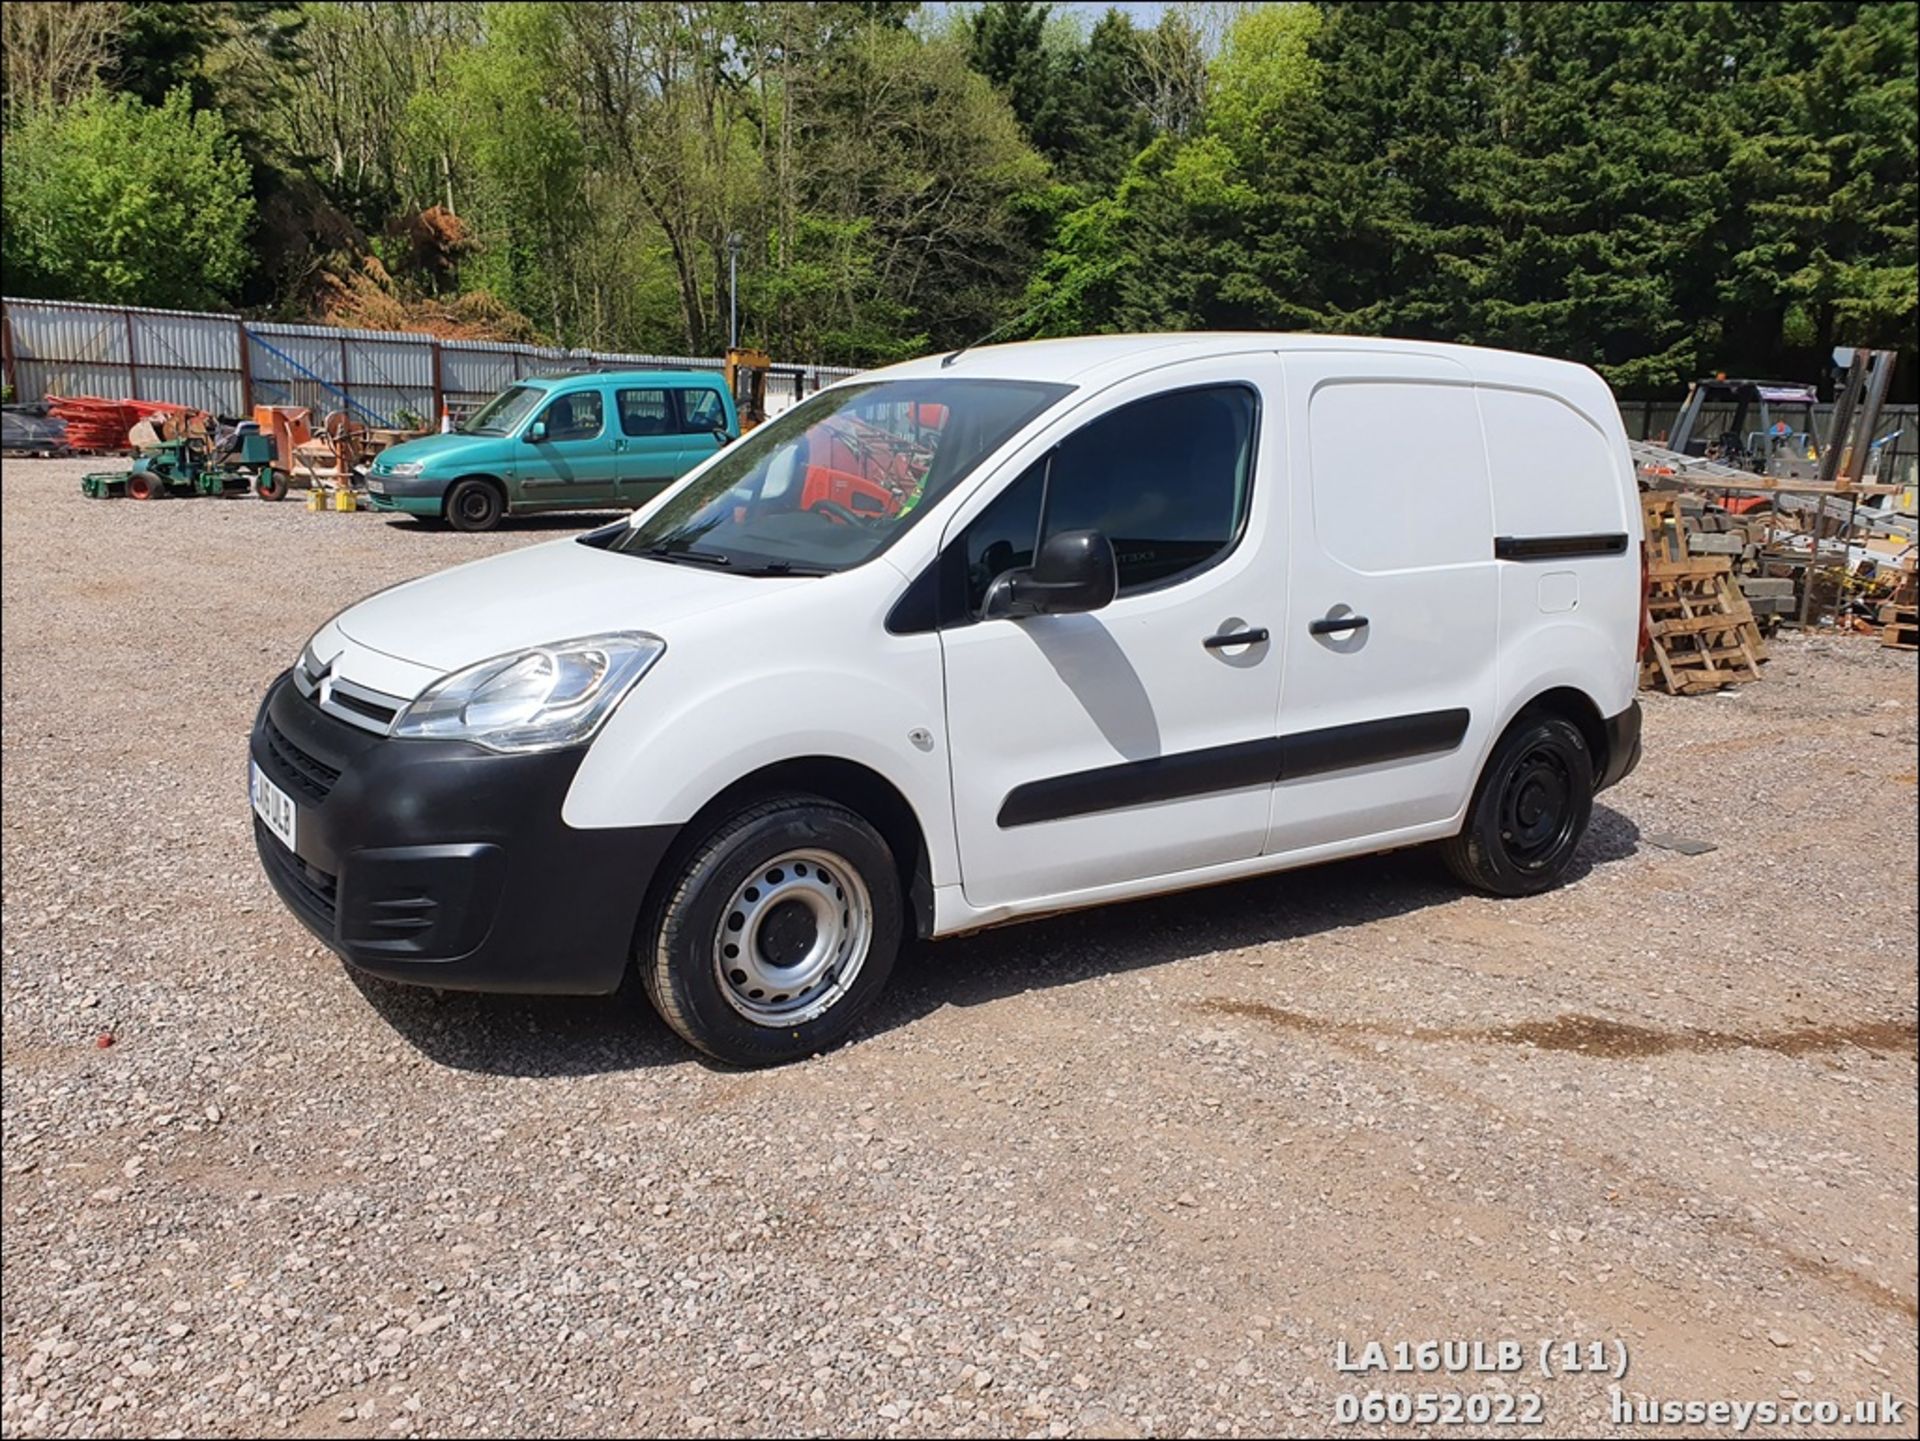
{"x": 747, "y": 380}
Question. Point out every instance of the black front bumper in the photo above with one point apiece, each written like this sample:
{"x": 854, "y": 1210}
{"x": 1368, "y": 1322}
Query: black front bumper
{"x": 445, "y": 864}
{"x": 1623, "y": 746}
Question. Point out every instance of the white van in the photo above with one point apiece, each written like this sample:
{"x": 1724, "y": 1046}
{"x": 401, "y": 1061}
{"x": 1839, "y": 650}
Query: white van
{"x": 969, "y": 639}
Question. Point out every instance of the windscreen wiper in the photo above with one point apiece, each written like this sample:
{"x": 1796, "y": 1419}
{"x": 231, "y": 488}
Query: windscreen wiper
{"x": 698, "y": 557}
{"x": 783, "y": 567}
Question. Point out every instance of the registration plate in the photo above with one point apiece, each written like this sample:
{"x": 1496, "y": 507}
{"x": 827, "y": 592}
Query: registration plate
{"x": 273, "y": 805}
{"x": 376, "y": 487}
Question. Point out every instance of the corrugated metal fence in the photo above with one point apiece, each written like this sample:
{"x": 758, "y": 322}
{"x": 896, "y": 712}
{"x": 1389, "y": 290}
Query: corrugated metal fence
{"x": 227, "y": 364}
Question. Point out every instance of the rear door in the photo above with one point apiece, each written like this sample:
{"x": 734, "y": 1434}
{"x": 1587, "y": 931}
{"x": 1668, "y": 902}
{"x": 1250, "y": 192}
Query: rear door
{"x": 572, "y": 465}
{"x": 649, "y": 444}
{"x": 1391, "y": 682}
{"x": 1136, "y": 740}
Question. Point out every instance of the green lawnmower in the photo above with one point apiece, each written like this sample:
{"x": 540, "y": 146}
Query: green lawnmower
{"x": 192, "y": 465}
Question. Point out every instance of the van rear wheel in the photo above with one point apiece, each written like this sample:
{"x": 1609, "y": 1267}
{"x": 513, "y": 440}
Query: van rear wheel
{"x": 779, "y": 930}
{"x": 1529, "y": 811}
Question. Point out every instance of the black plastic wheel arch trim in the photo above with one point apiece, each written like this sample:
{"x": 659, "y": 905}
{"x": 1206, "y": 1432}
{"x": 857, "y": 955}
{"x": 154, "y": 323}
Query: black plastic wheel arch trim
{"x": 1266, "y": 761}
{"x": 1623, "y": 747}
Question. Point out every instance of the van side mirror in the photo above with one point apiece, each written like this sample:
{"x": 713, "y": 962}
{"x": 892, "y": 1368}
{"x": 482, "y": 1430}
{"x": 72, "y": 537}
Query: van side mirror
{"x": 1073, "y": 572}
{"x": 720, "y": 434}
{"x": 536, "y": 433}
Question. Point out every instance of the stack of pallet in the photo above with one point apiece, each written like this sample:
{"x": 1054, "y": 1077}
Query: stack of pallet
{"x": 1702, "y": 629}
{"x": 1742, "y": 539}
{"x": 1900, "y": 615}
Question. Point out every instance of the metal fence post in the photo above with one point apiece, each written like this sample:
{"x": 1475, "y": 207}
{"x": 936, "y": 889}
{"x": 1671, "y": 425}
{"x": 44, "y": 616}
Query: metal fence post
{"x": 133, "y": 374}
{"x": 6, "y": 354}
{"x": 246, "y": 369}
{"x": 439, "y": 390}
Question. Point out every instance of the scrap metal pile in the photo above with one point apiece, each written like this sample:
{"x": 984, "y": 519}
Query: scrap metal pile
{"x": 1746, "y": 531}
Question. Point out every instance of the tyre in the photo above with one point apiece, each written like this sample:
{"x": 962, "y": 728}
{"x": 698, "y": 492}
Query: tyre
{"x": 1529, "y": 811}
{"x": 270, "y": 485}
{"x": 145, "y": 485}
{"x": 475, "y": 505}
{"x": 776, "y": 932}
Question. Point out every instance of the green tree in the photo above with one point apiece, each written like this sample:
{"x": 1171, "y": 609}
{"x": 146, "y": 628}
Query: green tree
{"x": 1820, "y": 236}
{"x": 1202, "y": 230}
{"x": 525, "y": 161}
{"x": 161, "y": 46}
{"x": 111, "y": 200}
{"x": 54, "y": 52}
{"x": 920, "y": 163}
{"x": 1077, "y": 97}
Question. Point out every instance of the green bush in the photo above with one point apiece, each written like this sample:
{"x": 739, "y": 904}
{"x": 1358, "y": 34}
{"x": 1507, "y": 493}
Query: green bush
{"x": 111, "y": 200}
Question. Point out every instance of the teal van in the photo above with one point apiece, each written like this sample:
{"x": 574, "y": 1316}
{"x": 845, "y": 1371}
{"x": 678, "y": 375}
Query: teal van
{"x": 606, "y": 440}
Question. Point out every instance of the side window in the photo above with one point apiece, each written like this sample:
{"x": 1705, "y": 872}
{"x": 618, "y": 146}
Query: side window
{"x": 644, "y": 412}
{"x": 701, "y": 412}
{"x": 574, "y": 416}
{"x": 1002, "y": 536}
{"x": 1166, "y": 479}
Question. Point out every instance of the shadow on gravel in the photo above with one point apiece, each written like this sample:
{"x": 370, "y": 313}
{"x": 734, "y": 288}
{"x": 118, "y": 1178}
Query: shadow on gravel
{"x": 526, "y": 1035}
{"x": 591, "y": 1035}
{"x": 994, "y": 964}
{"x": 530, "y": 524}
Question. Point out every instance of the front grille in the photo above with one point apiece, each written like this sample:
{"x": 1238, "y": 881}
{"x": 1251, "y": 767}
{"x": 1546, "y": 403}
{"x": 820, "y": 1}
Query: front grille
{"x": 310, "y": 890}
{"x": 373, "y": 710}
{"x": 292, "y": 766}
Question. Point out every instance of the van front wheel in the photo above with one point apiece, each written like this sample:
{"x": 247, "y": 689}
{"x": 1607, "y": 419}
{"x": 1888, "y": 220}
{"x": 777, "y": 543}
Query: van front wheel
{"x": 779, "y": 930}
{"x": 474, "y": 505}
{"x": 1529, "y": 811}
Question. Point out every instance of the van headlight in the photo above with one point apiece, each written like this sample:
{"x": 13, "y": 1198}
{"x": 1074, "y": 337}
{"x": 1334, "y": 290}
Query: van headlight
{"x": 533, "y": 700}
{"x": 403, "y": 467}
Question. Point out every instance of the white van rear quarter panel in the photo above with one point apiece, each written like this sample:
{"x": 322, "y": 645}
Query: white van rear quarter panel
{"x": 1561, "y": 469}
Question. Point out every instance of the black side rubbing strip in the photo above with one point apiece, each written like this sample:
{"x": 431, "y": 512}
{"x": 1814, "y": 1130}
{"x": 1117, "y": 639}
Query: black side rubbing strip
{"x": 1140, "y": 783}
{"x": 1231, "y": 767}
{"x": 1366, "y": 743}
{"x": 1557, "y": 547}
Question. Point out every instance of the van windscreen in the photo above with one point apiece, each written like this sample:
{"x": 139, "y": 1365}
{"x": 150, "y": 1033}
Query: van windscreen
{"x": 505, "y": 413}
{"x": 840, "y": 477}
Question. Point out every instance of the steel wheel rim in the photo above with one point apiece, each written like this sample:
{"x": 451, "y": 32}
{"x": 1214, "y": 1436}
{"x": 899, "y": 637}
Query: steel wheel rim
{"x": 793, "y": 938}
{"x": 1536, "y": 808}
{"x": 474, "y": 505}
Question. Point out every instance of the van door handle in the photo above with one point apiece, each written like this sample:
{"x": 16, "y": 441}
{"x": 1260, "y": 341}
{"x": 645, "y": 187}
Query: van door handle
{"x": 1335, "y": 624}
{"x": 1236, "y": 637}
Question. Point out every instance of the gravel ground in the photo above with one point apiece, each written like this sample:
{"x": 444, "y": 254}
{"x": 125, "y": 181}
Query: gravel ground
{"x": 1131, "y": 1172}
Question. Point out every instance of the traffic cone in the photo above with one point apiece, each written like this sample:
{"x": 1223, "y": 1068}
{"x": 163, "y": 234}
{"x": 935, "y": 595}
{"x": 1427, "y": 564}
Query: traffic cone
{"x": 446, "y": 420}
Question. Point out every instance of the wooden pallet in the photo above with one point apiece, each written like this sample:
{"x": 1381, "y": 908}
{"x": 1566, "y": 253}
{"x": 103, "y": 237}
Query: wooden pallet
{"x": 1906, "y": 590}
{"x": 1900, "y": 627}
{"x": 1703, "y": 632}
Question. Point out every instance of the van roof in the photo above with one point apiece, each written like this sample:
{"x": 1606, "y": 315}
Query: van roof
{"x": 1082, "y": 359}
{"x": 670, "y": 377}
